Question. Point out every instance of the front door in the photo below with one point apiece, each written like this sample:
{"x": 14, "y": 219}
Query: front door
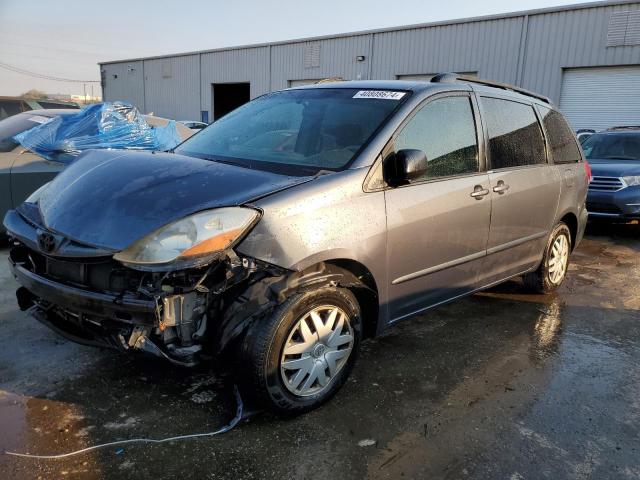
{"x": 438, "y": 225}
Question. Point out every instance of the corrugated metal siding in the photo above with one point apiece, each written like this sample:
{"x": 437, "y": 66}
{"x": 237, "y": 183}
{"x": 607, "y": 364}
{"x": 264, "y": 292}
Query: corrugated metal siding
{"x": 576, "y": 38}
{"x": 172, "y": 88}
{"x": 601, "y": 97}
{"x": 337, "y": 58}
{"x": 484, "y": 47}
{"x": 234, "y": 66}
{"x": 530, "y": 50}
{"x": 124, "y": 81}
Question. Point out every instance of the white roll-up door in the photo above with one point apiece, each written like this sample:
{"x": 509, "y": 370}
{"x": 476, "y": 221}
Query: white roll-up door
{"x": 601, "y": 97}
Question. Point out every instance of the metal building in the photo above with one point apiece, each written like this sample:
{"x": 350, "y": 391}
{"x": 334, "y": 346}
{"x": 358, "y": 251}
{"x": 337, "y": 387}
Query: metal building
{"x": 586, "y": 58}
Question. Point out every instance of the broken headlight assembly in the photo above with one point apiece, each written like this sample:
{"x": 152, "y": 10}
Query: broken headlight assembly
{"x": 193, "y": 241}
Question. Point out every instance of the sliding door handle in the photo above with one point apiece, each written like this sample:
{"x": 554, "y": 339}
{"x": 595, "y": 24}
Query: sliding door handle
{"x": 501, "y": 187}
{"x": 479, "y": 192}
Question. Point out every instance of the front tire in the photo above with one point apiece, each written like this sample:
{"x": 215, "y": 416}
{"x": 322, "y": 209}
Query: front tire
{"x": 299, "y": 356}
{"x": 555, "y": 262}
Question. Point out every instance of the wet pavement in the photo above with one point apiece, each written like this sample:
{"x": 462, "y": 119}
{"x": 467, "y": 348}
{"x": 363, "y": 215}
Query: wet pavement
{"x": 501, "y": 385}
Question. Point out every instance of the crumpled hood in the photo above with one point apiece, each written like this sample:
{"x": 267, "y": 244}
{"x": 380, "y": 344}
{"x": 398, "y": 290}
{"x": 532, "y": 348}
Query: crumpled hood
{"x": 110, "y": 199}
{"x": 614, "y": 168}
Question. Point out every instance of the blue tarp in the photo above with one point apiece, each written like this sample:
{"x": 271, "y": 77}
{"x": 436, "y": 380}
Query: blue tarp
{"x": 103, "y": 125}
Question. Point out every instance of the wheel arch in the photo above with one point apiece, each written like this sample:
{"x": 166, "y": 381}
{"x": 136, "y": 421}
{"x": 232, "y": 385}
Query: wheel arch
{"x": 264, "y": 295}
{"x": 571, "y": 220}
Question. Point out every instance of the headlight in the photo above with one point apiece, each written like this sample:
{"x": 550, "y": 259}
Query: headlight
{"x": 195, "y": 240}
{"x": 631, "y": 181}
{"x": 35, "y": 196}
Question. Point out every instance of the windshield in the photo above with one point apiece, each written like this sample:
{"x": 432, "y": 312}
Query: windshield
{"x": 17, "y": 124}
{"x": 612, "y": 146}
{"x": 295, "y": 131}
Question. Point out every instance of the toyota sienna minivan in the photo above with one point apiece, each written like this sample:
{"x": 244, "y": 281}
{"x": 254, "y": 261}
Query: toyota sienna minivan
{"x": 286, "y": 232}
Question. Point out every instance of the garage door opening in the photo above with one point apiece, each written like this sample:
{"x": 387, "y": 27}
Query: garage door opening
{"x": 601, "y": 97}
{"x": 228, "y": 97}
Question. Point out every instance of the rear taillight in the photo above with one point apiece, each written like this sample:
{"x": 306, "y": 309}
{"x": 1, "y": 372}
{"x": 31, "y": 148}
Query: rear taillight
{"x": 587, "y": 170}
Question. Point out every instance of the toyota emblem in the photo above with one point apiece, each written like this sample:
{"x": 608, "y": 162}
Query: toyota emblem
{"x": 46, "y": 242}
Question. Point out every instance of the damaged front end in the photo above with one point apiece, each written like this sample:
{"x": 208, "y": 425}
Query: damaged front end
{"x": 97, "y": 301}
{"x": 88, "y": 296}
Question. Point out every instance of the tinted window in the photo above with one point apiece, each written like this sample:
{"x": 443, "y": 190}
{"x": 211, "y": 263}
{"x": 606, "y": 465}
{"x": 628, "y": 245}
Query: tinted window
{"x": 612, "y": 146}
{"x": 515, "y": 138}
{"x": 561, "y": 140}
{"x": 48, "y": 105}
{"x": 445, "y": 130}
{"x": 12, "y": 107}
{"x": 295, "y": 130}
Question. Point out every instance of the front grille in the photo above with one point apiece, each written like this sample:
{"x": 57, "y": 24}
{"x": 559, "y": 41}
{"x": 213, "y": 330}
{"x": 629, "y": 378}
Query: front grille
{"x": 606, "y": 184}
{"x": 96, "y": 274}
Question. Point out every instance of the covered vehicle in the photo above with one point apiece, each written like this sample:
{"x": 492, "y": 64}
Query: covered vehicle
{"x": 51, "y": 139}
{"x": 302, "y": 222}
{"x": 614, "y": 192}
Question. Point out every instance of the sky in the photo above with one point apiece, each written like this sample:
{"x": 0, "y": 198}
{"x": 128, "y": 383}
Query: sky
{"x": 67, "y": 38}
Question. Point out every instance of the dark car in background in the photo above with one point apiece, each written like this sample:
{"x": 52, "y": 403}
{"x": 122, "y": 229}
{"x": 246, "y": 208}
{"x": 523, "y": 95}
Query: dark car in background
{"x": 302, "y": 222}
{"x": 13, "y": 105}
{"x": 614, "y": 192}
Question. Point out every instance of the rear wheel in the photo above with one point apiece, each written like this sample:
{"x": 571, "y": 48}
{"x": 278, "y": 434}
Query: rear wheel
{"x": 555, "y": 262}
{"x": 301, "y": 354}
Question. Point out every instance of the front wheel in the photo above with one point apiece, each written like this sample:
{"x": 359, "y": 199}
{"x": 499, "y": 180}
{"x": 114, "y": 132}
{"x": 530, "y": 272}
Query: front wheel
{"x": 555, "y": 262}
{"x": 302, "y": 353}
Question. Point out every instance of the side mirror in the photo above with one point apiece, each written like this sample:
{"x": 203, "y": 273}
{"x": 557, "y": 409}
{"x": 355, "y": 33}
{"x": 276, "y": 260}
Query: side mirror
{"x": 403, "y": 166}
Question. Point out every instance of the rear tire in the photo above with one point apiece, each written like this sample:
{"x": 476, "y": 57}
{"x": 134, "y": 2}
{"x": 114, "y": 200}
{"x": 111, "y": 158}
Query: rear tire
{"x": 298, "y": 356}
{"x": 555, "y": 262}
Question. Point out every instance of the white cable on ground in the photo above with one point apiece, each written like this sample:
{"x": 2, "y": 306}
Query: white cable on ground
{"x": 224, "y": 429}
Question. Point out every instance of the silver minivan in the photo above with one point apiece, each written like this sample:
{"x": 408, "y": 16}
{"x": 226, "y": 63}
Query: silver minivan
{"x": 285, "y": 233}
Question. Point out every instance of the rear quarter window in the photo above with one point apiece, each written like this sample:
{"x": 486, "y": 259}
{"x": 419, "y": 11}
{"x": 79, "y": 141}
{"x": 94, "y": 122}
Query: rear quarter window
{"x": 562, "y": 142}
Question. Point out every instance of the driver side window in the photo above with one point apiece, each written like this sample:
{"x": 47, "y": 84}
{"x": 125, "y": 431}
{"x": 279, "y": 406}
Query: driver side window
{"x": 445, "y": 130}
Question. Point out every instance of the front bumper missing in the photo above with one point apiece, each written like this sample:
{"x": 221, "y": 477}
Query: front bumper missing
{"x": 105, "y": 320}
{"x": 123, "y": 308}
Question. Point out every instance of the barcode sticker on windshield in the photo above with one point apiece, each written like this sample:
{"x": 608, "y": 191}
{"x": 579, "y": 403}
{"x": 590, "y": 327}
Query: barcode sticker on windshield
{"x": 380, "y": 94}
{"x": 40, "y": 119}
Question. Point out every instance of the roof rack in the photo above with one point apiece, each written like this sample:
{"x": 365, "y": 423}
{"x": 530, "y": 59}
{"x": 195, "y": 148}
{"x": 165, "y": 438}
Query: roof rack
{"x": 454, "y": 77}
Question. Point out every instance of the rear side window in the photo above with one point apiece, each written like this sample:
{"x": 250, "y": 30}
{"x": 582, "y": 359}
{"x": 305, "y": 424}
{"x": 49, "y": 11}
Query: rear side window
{"x": 515, "y": 137}
{"x": 561, "y": 140}
{"x": 445, "y": 131}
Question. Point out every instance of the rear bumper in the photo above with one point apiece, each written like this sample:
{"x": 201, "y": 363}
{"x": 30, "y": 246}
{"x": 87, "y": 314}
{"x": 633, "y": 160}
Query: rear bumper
{"x": 621, "y": 205}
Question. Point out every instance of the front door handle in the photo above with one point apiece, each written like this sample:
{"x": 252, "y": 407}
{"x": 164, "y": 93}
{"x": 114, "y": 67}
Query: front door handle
{"x": 479, "y": 192}
{"x": 501, "y": 187}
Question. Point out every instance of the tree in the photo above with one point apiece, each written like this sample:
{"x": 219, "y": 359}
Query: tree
{"x": 33, "y": 93}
